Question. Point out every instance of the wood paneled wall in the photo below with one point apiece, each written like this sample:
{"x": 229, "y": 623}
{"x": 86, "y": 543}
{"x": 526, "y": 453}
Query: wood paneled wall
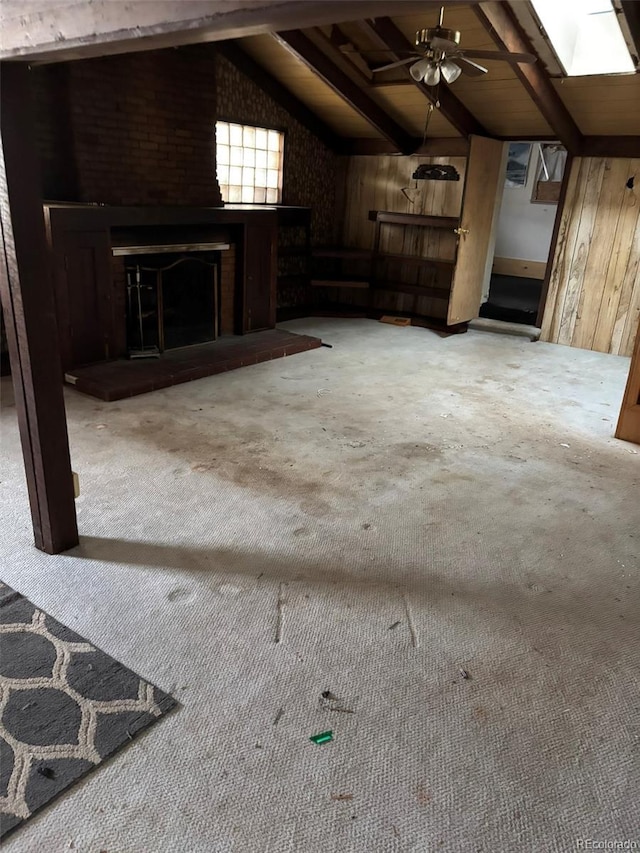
{"x": 376, "y": 183}
{"x": 594, "y": 289}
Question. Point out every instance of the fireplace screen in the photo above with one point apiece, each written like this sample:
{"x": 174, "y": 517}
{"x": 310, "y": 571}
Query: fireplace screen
{"x": 172, "y": 302}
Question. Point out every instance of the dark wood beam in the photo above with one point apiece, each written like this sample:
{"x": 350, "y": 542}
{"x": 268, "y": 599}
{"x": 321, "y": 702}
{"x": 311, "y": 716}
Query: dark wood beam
{"x": 345, "y": 61}
{"x": 247, "y": 65}
{"x": 528, "y": 137}
{"x": 62, "y": 30}
{"x": 313, "y": 57}
{"x": 444, "y": 146}
{"x": 631, "y": 11}
{"x": 611, "y": 146}
{"x": 504, "y": 29}
{"x": 26, "y": 290}
{"x": 388, "y": 36}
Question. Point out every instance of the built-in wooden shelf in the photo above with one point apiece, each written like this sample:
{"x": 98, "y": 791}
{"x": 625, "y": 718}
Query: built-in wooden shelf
{"x": 390, "y": 218}
{"x": 343, "y": 252}
{"x": 413, "y": 289}
{"x": 416, "y": 260}
{"x": 292, "y": 251}
{"x": 340, "y": 282}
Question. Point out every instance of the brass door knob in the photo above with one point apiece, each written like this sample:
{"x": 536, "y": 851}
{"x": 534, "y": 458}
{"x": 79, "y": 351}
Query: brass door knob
{"x": 459, "y": 231}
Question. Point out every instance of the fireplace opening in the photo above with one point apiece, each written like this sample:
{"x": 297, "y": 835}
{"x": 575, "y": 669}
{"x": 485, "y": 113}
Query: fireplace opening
{"x": 173, "y": 301}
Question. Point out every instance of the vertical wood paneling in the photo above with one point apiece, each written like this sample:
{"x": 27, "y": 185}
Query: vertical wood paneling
{"x": 563, "y": 252}
{"x": 594, "y": 292}
{"x": 376, "y": 183}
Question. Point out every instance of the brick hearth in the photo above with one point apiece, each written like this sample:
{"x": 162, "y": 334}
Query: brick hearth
{"x": 115, "y": 380}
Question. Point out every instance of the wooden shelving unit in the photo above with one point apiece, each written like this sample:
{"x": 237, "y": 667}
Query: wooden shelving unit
{"x": 294, "y": 255}
{"x": 432, "y": 263}
{"x": 390, "y": 266}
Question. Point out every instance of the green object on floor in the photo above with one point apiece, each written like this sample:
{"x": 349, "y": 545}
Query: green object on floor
{"x": 323, "y": 737}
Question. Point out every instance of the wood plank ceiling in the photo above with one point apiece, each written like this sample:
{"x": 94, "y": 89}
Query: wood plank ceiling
{"x": 498, "y": 103}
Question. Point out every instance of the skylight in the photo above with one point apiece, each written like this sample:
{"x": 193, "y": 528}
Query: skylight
{"x": 585, "y": 36}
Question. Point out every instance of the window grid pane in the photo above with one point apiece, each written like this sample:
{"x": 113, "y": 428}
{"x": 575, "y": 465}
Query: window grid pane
{"x": 249, "y": 163}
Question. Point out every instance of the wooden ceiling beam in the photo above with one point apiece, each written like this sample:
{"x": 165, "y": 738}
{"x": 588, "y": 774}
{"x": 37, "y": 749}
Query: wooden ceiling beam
{"x": 317, "y": 61}
{"x": 631, "y": 11}
{"x": 62, "y": 30}
{"x": 247, "y": 65}
{"x": 385, "y": 33}
{"x": 435, "y": 146}
{"x": 611, "y": 146}
{"x": 331, "y": 45}
{"x": 504, "y": 29}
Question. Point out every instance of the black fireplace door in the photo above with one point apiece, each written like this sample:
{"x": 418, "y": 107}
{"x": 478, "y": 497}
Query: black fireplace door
{"x": 188, "y": 302}
{"x": 172, "y": 301}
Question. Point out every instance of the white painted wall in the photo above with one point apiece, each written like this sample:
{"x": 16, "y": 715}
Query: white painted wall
{"x": 524, "y": 229}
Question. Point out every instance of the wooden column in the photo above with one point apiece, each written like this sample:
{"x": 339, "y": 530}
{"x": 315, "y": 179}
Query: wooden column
{"x": 629, "y": 423}
{"x": 28, "y": 305}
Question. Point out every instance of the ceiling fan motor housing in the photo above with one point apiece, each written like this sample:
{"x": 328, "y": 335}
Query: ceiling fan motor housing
{"x": 426, "y": 36}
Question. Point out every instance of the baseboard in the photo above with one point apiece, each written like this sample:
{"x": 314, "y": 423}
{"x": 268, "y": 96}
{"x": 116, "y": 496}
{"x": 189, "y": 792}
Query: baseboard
{"x": 519, "y": 268}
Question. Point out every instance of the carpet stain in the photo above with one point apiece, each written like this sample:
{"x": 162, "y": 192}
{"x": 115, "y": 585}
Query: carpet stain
{"x": 413, "y": 450}
{"x": 423, "y": 795}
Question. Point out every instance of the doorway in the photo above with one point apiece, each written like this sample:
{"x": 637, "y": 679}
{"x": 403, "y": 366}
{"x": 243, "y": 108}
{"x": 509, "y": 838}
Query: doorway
{"x": 530, "y": 197}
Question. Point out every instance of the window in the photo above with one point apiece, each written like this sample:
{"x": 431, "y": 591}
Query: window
{"x": 518, "y": 164}
{"x": 249, "y": 163}
{"x": 585, "y": 36}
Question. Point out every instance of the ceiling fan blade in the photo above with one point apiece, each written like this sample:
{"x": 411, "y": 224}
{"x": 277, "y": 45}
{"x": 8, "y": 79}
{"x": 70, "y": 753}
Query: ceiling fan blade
{"x": 469, "y": 67}
{"x": 514, "y": 58}
{"x": 396, "y": 64}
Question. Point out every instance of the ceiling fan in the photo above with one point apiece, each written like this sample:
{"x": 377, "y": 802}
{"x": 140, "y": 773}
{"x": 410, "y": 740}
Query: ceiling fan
{"x": 439, "y": 56}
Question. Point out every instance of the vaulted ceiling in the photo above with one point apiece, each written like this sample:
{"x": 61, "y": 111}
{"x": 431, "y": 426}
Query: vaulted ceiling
{"x": 334, "y": 92}
{"x": 509, "y": 102}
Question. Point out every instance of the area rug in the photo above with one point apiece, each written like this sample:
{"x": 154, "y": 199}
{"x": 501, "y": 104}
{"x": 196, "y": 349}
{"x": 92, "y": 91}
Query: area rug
{"x": 65, "y": 707}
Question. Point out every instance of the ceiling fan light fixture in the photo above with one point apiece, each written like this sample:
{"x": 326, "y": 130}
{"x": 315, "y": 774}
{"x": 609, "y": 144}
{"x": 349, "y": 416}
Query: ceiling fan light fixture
{"x": 450, "y": 71}
{"x": 419, "y": 69}
{"x": 432, "y": 76}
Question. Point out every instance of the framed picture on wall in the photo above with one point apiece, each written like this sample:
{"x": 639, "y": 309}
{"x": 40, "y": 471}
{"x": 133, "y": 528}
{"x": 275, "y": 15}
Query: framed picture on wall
{"x": 518, "y": 164}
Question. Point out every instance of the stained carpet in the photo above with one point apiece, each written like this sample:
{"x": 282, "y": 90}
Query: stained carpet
{"x": 65, "y": 706}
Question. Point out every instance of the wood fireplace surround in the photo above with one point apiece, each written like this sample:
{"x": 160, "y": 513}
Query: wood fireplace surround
{"x": 92, "y": 245}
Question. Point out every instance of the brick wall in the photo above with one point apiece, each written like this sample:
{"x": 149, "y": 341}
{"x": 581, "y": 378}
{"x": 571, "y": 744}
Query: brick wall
{"x": 139, "y": 128}
{"x": 310, "y": 168}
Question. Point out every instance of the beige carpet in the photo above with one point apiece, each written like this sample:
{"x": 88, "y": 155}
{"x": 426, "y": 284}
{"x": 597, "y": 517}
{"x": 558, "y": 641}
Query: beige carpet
{"x": 466, "y": 488}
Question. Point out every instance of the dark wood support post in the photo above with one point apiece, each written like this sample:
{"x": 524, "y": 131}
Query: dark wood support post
{"x": 28, "y": 305}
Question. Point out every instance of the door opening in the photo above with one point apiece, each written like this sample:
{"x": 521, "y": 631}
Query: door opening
{"x": 531, "y": 191}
